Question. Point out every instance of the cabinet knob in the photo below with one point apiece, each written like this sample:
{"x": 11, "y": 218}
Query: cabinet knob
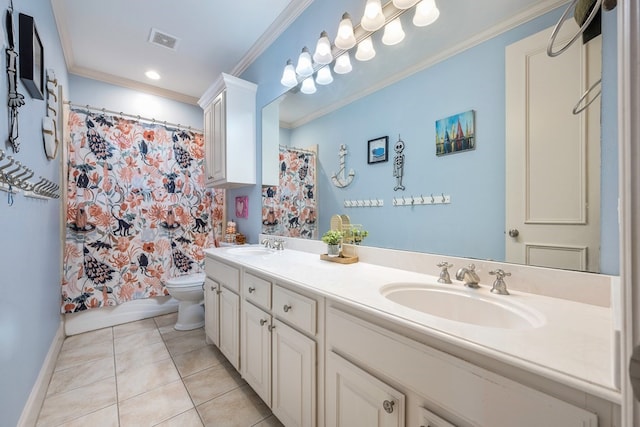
{"x": 251, "y": 289}
{"x": 388, "y": 406}
{"x": 286, "y": 308}
{"x": 218, "y": 291}
{"x": 213, "y": 289}
{"x": 262, "y": 322}
{"x": 271, "y": 327}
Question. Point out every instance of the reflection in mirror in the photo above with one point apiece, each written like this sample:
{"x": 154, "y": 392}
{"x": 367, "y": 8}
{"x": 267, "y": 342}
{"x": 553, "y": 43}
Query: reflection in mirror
{"x": 446, "y": 72}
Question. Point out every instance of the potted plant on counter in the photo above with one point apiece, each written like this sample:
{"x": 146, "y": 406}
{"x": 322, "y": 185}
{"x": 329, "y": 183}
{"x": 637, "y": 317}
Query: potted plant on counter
{"x": 332, "y": 238}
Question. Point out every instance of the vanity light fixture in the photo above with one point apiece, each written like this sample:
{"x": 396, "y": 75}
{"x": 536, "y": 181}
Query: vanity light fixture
{"x": 343, "y": 64}
{"x": 373, "y": 18}
{"x": 289, "y": 78}
{"x": 324, "y": 76}
{"x": 153, "y": 75}
{"x": 365, "y": 50}
{"x": 393, "y": 33}
{"x": 404, "y": 4}
{"x": 305, "y": 66}
{"x": 345, "y": 38}
{"x": 426, "y": 13}
{"x": 322, "y": 55}
{"x": 308, "y": 86}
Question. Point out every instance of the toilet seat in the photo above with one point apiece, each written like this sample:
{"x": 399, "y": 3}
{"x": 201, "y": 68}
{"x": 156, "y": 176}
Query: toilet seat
{"x": 186, "y": 280}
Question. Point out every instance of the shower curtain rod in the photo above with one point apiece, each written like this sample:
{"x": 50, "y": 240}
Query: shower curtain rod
{"x": 134, "y": 116}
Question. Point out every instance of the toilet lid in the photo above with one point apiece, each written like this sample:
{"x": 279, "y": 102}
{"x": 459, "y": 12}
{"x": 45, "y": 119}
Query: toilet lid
{"x": 187, "y": 280}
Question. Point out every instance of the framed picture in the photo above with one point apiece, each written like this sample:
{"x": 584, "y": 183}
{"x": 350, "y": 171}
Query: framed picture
{"x": 456, "y": 133}
{"x": 242, "y": 206}
{"x": 378, "y": 150}
{"x": 31, "y": 56}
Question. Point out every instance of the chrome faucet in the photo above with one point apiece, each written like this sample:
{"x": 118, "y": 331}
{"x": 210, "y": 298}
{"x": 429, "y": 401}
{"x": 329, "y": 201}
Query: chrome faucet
{"x": 499, "y": 286}
{"x": 468, "y": 276}
{"x": 277, "y": 244}
{"x": 444, "y": 273}
{"x": 267, "y": 243}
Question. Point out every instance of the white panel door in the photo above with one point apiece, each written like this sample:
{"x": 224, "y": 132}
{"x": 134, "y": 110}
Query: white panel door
{"x": 356, "y": 398}
{"x": 294, "y": 377}
{"x": 552, "y": 156}
{"x": 230, "y": 326}
{"x": 211, "y": 311}
{"x": 256, "y": 350}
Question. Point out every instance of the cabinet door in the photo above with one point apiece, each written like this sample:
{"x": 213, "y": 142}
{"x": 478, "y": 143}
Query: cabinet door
{"x": 256, "y": 350}
{"x": 211, "y": 311}
{"x": 208, "y": 143}
{"x": 356, "y": 398}
{"x": 294, "y": 377}
{"x": 219, "y": 137}
{"x": 429, "y": 419}
{"x": 230, "y": 326}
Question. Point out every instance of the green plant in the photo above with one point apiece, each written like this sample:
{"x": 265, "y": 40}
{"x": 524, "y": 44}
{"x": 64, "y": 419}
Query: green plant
{"x": 332, "y": 237}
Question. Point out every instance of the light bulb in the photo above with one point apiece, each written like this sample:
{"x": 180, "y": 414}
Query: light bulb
{"x": 365, "y": 50}
{"x": 373, "y": 18}
{"x": 393, "y": 33}
{"x": 322, "y": 54}
{"x": 289, "y": 75}
{"x": 426, "y": 13}
{"x": 343, "y": 64}
{"x": 324, "y": 76}
{"x": 404, "y": 4}
{"x": 308, "y": 86}
{"x": 345, "y": 38}
{"x": 305, "y": 66}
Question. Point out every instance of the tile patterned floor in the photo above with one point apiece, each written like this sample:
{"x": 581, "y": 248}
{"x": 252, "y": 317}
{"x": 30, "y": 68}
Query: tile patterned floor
{"x": 146, "y": 373}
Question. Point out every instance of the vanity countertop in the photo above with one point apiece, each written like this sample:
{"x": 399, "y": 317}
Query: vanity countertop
{"x": 574, "y": 346}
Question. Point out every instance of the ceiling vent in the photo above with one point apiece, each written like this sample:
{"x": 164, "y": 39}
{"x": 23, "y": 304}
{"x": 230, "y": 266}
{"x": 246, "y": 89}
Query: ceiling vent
{"x": 163, "y": 39}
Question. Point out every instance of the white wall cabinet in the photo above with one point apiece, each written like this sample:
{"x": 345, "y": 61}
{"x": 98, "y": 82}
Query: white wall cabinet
{"x": 230, "y": 132}
{"x": 356, "y": 398}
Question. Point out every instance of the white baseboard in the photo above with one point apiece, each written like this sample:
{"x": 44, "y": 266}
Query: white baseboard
{"x": 91, "y": 320}
{"x": 31, "y": 409}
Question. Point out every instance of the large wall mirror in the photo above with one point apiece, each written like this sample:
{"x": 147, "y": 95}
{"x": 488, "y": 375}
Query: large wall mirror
{"x": 525, "y": 153}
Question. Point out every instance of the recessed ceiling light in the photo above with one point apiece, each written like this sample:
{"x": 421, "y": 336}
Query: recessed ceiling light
{"x": 153, "y": 75}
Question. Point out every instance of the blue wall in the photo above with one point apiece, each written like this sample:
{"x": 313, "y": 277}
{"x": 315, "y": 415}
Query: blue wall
{"x": 30, "y": 251}
{"x": 474, "y": 223}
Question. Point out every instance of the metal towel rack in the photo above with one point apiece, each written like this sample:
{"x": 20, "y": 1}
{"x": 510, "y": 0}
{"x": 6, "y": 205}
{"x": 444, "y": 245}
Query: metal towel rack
{"x": 14, "y": 176}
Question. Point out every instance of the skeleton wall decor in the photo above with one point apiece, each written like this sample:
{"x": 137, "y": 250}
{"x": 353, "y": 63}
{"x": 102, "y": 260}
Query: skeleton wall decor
{"x": 398, "y": 164}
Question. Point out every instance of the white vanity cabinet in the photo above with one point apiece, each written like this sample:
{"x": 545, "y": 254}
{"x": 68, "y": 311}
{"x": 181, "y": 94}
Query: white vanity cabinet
{"x": 222, "y": 308}
{"x": 279, "y": 354}
{"x": 229, "y": 132}
{"x": 356, "y": 398}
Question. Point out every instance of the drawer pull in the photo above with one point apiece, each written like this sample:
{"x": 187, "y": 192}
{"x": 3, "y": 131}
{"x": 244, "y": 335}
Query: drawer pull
{"x": 262, "y": 322}
{"x": 286, "y": 308}
{"x": 251, "y": 289}
{"x": 271, "y": 327}
{"x": 388, "y": 406}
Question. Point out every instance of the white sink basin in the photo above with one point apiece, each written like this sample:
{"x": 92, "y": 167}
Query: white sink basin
{"x": 464, "y": 305}
{"x": 250, "y": 251}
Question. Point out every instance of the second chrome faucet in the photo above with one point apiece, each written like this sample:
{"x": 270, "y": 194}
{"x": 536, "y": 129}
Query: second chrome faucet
{"x": 468, "y": 276}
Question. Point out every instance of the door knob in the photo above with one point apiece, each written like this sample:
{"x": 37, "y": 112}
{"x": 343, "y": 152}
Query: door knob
{"x": 514, "y": 232}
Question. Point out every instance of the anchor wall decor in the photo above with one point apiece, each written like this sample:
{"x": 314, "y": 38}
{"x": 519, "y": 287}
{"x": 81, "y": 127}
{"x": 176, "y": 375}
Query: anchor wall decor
{"x": 339, "y": 179}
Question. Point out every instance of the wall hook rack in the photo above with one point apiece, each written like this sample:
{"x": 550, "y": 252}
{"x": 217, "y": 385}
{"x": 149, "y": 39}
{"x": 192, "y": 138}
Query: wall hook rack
{"x": 364, "y": 203}
{"x": 431, "y": 199}
{"x": 14, "y": 176}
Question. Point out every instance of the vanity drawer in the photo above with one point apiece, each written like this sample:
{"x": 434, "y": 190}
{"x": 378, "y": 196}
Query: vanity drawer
{"x": 295, "y": 309}
{"x": 224, "y": 274}
{"x": 257, "y": 290}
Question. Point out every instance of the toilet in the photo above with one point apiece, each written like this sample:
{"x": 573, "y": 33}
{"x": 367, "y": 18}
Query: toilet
{"x": 189, "y": 291}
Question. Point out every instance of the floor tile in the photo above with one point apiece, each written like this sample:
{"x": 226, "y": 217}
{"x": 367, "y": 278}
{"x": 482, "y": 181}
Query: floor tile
{"x": 238, "y": 408}
{"x": 186, "y": 419}
{"x": 155, "y": 406}
{"x": 130, "y": 328}
{"x": 136, "y": 341}
{"x": 166, "y": 320}
{"x": 186, "y": 342}
{"x": 64, "y": 407}
{"x": 212, "y": 382}
{"x": 272, "y": 421}
{"x": 81, "y": 375}
{"x": 141, "y": 356}
{"x": 107, "y": 417}
{"x": 198, "y": 360}
{"x": 87, "y": 338}
{"x": 145, "y": 378}
{"x": 88, "y": 353}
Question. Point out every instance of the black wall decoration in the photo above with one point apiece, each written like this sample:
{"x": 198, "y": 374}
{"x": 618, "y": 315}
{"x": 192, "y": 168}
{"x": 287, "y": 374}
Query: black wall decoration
{"x": 31, "y": 57}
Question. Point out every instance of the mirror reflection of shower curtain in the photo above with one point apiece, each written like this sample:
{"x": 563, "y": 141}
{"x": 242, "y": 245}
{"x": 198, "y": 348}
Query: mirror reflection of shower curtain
{"x": 137, "y": 209}
{"x": 290, "y": 209}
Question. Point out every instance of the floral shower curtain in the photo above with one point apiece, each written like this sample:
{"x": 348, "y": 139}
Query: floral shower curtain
{"x": 138, "y": 211}
{"x": 290, "y": 209}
